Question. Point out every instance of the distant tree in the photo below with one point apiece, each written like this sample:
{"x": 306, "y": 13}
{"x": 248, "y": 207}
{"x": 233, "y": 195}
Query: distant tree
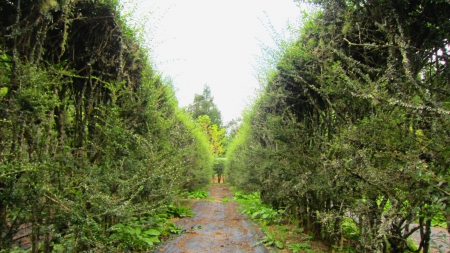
{"x": 219, "y": 168}
{"x": 204, "y": 105}
{"x": 215, "y": 135}
{"x": 232, "y": 128}
{"x": 231, "y": 131}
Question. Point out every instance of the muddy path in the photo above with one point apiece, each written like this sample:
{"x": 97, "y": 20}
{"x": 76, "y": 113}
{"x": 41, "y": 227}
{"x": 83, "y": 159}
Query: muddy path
{"x": 217, "y": 226}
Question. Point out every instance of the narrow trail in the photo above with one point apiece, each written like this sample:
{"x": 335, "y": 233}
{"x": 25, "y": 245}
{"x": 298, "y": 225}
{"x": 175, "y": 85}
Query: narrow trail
{"x": 217, "y": 226}
{"x": 440, "y": 240}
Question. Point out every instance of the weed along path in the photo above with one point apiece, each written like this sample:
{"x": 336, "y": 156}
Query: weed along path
{"x": 217, "y": 226}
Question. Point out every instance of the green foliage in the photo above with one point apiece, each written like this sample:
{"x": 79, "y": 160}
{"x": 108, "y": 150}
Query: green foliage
{"x": 203, "y": 105}
{"x": 350, "y": 229}
{"x": 198, "y": 194}
{"x": 253, "y": 197}
{"x": 298, "y": 230}
{"x": 225, "y": 200}
{"x": 3, "y": 91}
{"x": 272, "y": 240}
{"x": 300, "y": 247}
{"x": 209, "y": 120}
{"x": 219, "y": 167}
{"x": 199, "y": 158}
{"x": 282, "y": 228}
{"x": 216, "y": 136}
{"x": 262, "y": 213}
{"x": 252, "y": 206}
{"x": 439, "y": 220}
{"x": 141, "y": 233}
{"x": 348, "y": 134}
{"x": 239, "y": 172}
{"x": 91, "y": 135}
{"x": 15, "y": 250}
{"x": 178, "y": 211}
{"x": 412, "y": 244}
{"x": 134, "y": 235}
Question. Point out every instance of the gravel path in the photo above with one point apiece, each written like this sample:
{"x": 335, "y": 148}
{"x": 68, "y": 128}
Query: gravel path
{"x": 216, "y": 227}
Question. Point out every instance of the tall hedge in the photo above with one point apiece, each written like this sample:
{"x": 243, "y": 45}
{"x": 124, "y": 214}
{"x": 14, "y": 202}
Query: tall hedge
{"x": 350, "y": 135}
{"x": 90, "y": 135}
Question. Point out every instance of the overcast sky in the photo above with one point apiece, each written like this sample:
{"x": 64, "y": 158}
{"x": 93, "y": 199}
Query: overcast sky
{"x": 214, "y": 42}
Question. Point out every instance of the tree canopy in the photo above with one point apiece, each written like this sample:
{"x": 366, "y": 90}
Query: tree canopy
{"x": 215, "y": 135}
{"x": 205, "y": 112}
{"x": 203, "y": 104}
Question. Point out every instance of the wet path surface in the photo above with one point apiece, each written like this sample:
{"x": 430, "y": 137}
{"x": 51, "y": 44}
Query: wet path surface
{"x": 217, "y": 226}
{"x": 440, "y": 240}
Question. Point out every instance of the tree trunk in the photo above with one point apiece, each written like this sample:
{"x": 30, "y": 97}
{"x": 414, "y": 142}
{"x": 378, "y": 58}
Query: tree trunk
{"x": 35, "y": 237}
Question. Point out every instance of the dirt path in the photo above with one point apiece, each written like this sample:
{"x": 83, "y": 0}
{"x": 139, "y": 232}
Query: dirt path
{"x": 216, "y": 227}
{"x": 440, "y": 240}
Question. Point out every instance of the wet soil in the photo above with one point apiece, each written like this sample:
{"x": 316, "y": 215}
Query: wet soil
{"x": 217, "y": 226}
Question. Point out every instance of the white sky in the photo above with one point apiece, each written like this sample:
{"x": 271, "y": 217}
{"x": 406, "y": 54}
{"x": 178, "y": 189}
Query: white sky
{"x": 214, "y": 42}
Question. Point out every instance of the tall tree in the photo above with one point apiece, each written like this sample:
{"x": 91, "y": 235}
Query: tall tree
{"x": 204, "y": 105}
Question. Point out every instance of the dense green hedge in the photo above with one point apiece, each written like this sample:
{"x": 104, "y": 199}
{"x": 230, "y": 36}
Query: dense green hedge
{"x": 350, "y": 134}
{"x": 90, "y": 135}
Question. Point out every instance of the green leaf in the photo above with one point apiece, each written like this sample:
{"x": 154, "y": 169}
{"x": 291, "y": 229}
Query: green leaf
{"x": 279, "y": 244}
{"x": 117, "y": 226}
{"x": 152, "y": 239}
{"x": 114, "y": 236}
{"x": 256, "y": 214}
{"x": 130, "y": 230}
{"x": 149, "y": 241}
{"x": 152, "y": 232}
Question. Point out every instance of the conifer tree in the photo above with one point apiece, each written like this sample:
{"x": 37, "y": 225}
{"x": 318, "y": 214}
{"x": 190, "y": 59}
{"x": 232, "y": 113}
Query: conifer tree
{"x": 204, "y": 105}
